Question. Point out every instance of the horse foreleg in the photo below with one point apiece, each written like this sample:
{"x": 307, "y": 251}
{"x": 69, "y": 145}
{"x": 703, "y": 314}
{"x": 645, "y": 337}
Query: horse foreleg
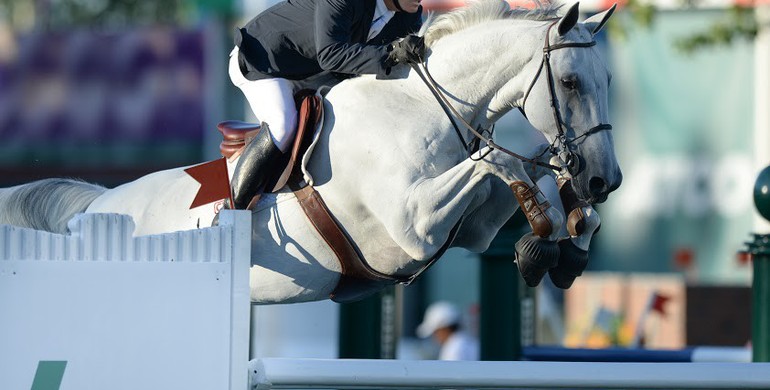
{"x": 582, "y": 223}
{"x": 537, "y": 252}
{"x": 434, "y": 205}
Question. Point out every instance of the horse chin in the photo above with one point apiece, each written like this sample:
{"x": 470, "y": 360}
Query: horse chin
{"x": 597, "y": 199}
{"x": 585, "y": 194}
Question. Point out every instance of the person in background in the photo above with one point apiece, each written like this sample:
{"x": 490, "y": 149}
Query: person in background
{"x": 444, "y": 323}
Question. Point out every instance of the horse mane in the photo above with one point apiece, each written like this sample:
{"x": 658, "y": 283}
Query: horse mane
{"x": 481, "y": 11}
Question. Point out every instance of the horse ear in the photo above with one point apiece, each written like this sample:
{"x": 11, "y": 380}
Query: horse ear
{"x": 596, "y": 22}
{"x": 569, "y": 20}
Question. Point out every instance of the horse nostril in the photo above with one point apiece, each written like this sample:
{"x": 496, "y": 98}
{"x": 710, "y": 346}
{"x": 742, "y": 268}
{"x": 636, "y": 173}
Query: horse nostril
{"x": 597, "y": 186}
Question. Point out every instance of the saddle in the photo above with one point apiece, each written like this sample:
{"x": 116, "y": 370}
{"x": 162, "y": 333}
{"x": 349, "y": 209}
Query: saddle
{"x": 357, "y": 279}
{"x": 237, "y": 134}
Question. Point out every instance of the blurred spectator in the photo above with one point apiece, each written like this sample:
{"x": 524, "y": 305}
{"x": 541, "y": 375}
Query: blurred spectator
{"x": 443, "y": 322}
{"x": 86, "y": 69}
{"x": 43, "y": 92}
{"x": 85, "y": 98}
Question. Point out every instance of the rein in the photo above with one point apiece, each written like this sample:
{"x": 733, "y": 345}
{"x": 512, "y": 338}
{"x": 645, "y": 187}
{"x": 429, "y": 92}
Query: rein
{"x": 454, "y": 116}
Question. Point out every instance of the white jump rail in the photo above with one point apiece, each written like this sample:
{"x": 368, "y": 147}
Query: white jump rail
{"x": 113, "y": 311}
{"x": 277, "y": 373}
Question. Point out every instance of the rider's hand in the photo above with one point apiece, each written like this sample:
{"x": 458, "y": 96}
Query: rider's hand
{"x": 410, "y": 50}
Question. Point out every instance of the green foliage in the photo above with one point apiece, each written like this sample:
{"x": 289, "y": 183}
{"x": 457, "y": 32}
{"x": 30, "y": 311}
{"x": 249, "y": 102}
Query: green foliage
{"x": 62, "y": 14}
{"x": 740, "y": 23}
{"x": 641, "y": 14}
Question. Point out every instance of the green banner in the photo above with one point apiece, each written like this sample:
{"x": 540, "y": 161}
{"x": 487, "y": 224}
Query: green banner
{"x": 683, "y": 127}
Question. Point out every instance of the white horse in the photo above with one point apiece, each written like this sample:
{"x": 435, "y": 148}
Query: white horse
{"x": 392, "y": 170}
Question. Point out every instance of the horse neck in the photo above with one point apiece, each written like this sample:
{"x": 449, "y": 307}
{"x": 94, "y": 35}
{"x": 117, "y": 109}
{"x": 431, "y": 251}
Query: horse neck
{"x": 481, "y": 68}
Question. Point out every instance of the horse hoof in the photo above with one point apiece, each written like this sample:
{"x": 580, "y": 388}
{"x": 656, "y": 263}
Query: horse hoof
{"x": 535, "y": 256}
{"x": 572, "y": 262}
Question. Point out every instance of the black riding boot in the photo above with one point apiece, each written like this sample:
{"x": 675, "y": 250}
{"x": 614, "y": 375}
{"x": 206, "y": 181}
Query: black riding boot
{"x": 256, "y": 167}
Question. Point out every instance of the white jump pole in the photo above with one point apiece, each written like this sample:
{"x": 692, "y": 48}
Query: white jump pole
{"x": 277, "y": 373}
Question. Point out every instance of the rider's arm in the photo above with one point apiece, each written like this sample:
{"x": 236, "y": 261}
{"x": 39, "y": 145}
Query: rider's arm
{"x": 334, "y": 27}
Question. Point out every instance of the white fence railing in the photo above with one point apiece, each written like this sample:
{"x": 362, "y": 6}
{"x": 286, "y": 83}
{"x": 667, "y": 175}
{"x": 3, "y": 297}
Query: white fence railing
{"x": 392, "y": 374}
{"x": 100, "y": 309}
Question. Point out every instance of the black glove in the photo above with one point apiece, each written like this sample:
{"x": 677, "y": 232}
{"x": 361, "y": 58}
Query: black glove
{"x": 410, "y": 50}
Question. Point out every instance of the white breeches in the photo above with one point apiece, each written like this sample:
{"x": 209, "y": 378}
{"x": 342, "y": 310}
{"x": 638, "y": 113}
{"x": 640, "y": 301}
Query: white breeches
{"x": 271, "y": 100}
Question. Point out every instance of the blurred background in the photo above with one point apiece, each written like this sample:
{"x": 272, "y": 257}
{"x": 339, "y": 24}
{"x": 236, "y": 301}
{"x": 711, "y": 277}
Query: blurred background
{"x": 110, "y": 90}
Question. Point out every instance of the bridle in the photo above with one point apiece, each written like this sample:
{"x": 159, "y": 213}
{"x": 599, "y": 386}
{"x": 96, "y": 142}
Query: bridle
{"x": 571, "y": 159}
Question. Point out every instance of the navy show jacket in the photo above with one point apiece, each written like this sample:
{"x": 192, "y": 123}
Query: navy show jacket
{"x": 296, "y": 39}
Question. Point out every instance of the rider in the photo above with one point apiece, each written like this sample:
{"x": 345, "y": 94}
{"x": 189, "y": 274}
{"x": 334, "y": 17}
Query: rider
{"x": 305, "y": 44}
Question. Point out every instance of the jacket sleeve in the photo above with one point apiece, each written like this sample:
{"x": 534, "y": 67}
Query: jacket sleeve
{"x": 334, "y": 28}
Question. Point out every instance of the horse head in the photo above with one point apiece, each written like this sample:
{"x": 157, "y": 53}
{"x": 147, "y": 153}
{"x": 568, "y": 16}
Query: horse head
{"x": 567, "y": 100}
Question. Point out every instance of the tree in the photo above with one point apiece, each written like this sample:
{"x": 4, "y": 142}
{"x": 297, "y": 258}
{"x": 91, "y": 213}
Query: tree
{"x": 738, "y": 22}
{"x": 60, "y": 14}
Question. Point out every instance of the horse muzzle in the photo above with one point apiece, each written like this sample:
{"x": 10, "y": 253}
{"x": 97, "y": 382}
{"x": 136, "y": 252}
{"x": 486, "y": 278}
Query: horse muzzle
{"x": 599, "y": 187}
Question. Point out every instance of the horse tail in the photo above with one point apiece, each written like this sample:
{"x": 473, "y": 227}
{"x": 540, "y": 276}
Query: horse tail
{"x": 46, "y": 204}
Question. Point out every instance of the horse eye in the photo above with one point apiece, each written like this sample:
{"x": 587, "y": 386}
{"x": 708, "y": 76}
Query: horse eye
{"x": 569, "y": 83}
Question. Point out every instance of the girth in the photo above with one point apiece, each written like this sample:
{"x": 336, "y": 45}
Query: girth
{"x": 357, "y": 279}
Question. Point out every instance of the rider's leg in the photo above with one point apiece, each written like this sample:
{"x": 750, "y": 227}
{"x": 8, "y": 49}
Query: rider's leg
{"x": 272, "y": 102}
